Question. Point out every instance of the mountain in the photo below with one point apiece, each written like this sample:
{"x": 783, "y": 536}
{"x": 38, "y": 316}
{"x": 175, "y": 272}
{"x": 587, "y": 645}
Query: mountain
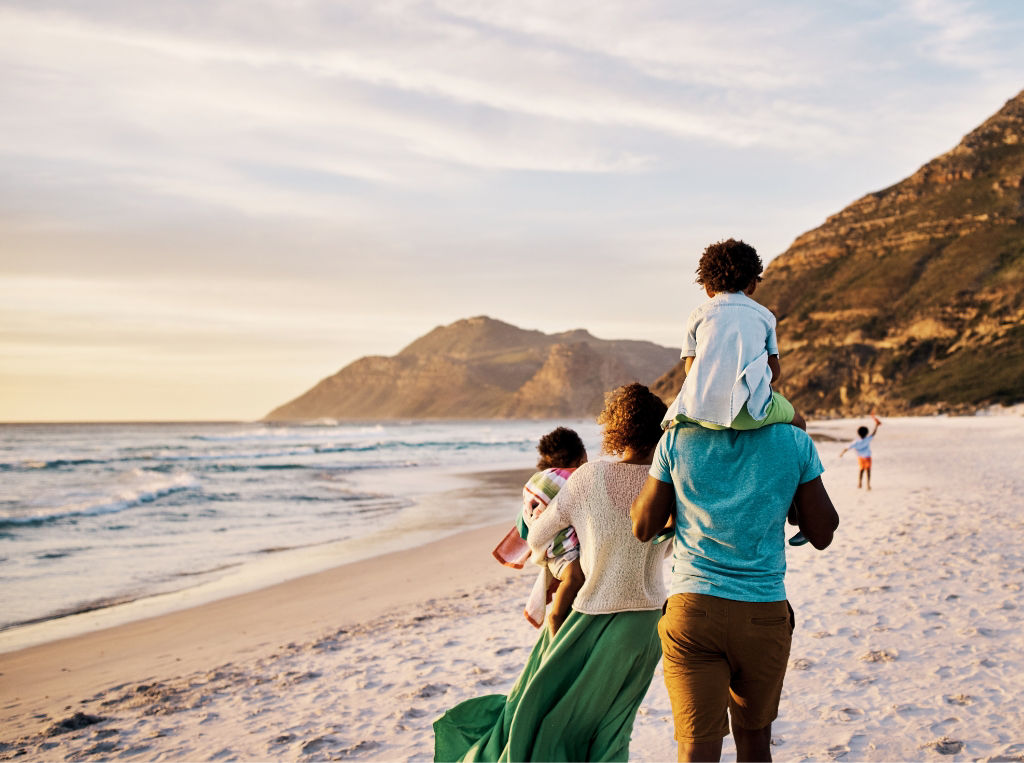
{"x": 910, "y": 300}
{"x": 482, "y": 368}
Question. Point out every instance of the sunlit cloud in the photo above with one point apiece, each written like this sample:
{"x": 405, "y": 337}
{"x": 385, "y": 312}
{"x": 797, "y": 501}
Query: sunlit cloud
{"x": 217, "y": 187}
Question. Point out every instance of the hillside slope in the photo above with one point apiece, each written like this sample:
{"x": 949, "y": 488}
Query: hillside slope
{"x": 910, "y": 300}
{"x": 482, "y": 368}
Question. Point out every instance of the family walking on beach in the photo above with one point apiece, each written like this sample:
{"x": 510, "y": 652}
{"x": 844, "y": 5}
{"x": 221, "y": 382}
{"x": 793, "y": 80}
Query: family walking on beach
{"x": 718, "y": 473}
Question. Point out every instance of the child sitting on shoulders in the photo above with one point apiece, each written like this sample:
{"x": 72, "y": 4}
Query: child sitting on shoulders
{"x": 730, "y": 347}
{"x": 732, "y": 352}
{"x": 561, "y": 452}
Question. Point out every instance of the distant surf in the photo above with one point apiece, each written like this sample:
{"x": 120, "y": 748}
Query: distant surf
{"x": 94, "y": 516}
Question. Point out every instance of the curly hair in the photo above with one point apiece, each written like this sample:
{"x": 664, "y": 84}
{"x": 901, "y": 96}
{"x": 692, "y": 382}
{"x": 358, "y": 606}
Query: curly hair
{"x": 631, "y": 418}
{"x": 728, "y": 266}
{"x": 560, "y": 447}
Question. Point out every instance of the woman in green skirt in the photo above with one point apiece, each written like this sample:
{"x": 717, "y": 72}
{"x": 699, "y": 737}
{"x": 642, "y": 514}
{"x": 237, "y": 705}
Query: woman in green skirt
{"x": 578, "y": 695}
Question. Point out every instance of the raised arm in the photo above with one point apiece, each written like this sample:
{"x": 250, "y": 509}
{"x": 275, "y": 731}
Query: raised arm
{"x": 816, "y": 516}
{"x": 652, "y": 509}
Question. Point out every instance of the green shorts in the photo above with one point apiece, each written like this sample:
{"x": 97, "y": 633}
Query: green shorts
{"x": 779, "y": 411}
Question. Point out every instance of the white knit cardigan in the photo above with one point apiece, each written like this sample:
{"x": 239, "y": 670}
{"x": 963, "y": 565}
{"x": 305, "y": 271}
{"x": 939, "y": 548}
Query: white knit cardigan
{"x": 622, "y": 573}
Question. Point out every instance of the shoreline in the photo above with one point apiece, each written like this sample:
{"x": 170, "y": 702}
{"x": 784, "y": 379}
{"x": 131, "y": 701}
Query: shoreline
{"x": 40, "y": 682}
{"x": 271, "y": 569}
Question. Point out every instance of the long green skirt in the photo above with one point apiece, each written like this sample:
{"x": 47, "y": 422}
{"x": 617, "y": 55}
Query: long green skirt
{"x": 575, "y": 700}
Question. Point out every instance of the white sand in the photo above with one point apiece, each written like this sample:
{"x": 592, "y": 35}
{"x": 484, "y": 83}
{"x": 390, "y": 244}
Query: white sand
{"x": 908, "y": 645}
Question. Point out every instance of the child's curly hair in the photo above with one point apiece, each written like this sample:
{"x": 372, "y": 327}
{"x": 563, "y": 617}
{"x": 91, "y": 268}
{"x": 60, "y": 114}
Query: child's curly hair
{"x": 560, "y": 447}
{"x": 728, "y": 266}
{"x": 631, "y": 418}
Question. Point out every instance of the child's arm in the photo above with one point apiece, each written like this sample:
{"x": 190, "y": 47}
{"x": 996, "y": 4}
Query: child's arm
{"x": 773, "y": 364}
{"x": 686, "y": 364}
{"x": 843, "y": 451}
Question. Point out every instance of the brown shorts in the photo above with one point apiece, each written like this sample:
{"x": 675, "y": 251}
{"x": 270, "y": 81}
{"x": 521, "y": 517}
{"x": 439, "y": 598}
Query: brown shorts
{"x": 721, "y": 654}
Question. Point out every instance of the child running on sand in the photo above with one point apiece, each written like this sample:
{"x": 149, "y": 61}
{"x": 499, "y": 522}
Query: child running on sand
{"x": 561, "y": 452}
{"x": 863, "y": 448}
{"x": 732, "y": 352}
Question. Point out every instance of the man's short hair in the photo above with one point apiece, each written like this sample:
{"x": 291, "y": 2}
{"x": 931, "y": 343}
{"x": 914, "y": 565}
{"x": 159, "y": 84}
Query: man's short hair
{"x": 729, "y": 266}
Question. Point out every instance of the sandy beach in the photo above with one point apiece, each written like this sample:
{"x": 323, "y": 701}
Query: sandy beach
{"x": 907, "y": 647}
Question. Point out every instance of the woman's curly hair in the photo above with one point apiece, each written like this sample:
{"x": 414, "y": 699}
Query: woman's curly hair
{"x": 728, "y": 266}
{"x": 631, "y": 418}
{"x": 560, "y": 447}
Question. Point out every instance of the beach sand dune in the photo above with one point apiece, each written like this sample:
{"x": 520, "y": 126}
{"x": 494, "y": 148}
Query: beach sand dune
{"x": 908, "y": 642}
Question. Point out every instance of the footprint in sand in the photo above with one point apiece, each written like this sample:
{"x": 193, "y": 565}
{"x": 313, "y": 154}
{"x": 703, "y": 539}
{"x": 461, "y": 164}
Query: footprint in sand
{"x": 802, "y": 664}
{"x": 958, "y": 699}
{"x": 433, "y": 690}
{"x": 880, "y": 655}
{"x": 861, "y": 680}
{"x": 356, "y": 749}
{"x": 315, "y": 745}
{"x": 848, "y": 714}
{"x": 944, "y": 746}
{"x": 837, "y": 751}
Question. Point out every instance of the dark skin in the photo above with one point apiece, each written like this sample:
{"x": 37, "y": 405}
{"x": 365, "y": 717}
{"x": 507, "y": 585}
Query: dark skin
{"x": 571, "y": 582}
{"x": 818, "y": 520}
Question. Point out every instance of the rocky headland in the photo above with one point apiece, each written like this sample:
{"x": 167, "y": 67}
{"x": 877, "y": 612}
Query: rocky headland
{"x": 482, "y": 368}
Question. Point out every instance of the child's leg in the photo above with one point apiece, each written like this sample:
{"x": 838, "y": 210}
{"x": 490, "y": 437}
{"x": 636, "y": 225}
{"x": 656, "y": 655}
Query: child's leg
{"x": 868, "y": 474}
{"x": 779, "y": 411}
{"x": 860, "y": 477}
{"x": 572, "y": 581}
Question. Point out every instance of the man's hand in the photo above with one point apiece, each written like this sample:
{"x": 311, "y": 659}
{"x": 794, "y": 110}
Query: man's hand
{"x": 816, "y": 516}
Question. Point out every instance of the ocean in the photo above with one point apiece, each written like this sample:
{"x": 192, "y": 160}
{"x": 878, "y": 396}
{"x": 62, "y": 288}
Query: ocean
{"x": 140, "y": 519}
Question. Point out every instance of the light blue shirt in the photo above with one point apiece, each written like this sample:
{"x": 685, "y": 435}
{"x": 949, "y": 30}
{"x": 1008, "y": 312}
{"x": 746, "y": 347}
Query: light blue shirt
{"x": 862, "y": 446}
{"x": 730, "y": 338}
{"x": 733, "y": 490}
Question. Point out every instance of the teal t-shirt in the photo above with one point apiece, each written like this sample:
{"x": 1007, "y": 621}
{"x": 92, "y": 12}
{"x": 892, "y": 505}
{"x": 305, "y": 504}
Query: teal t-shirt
{"x": 733, "y": 490}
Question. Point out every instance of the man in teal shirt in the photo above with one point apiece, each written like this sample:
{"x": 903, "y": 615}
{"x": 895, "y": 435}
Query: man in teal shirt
{"x": 727, "y": 627}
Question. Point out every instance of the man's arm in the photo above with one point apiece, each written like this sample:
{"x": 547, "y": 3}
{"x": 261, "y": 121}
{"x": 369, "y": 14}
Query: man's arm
{"x": 773, "y": 364}
{"x": 686, "y": 365}
{"x": 652, "y": 509}
{"x": 816, "y": 516}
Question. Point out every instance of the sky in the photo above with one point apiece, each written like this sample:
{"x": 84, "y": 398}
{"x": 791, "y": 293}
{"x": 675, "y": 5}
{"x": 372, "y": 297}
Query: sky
{"x": 208, "y": 206}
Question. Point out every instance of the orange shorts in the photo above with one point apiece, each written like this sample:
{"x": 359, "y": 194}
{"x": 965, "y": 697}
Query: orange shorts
{"x": 722, "y": 655}
{"x": 865, "y": 463}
